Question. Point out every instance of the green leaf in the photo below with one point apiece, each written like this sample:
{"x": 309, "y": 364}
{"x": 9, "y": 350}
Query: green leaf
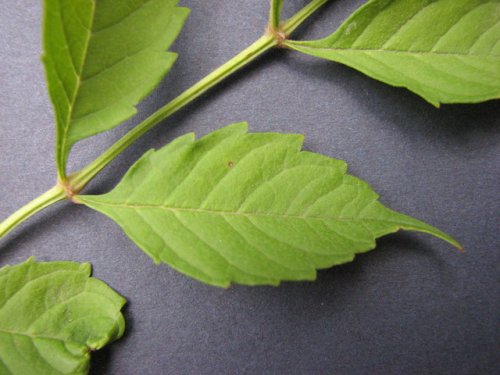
{"x": 446, "y": 51}
{"x": 52, "y": 315}
{"x": 101, "y": 58}
{"x": 275, "y": 13}
{"x": 248, "y": 208}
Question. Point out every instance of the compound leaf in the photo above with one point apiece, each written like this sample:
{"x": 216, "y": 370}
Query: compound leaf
{"x": 447, "y": 51}
{"x": 52, "y": 315}
{"x": 101, "y": 58}
{"x": 248, "y": 208}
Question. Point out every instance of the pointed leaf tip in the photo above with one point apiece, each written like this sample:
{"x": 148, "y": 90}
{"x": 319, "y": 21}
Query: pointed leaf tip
{"x": 248, "y": 208}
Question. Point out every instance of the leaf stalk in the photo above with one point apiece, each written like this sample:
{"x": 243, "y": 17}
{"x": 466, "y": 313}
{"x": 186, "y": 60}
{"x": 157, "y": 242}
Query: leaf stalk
{"x": 77, "y": 181}
{"x": 298, "y": 18}
{"x": 261, "y": 45}
{"x": 275, "y": 14}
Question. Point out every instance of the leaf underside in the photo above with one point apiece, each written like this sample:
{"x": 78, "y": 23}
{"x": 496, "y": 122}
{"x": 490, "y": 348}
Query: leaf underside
{"x": 52, "y": 315}
{"x": 447, "y": 51}
{"x": 248, "y": 208}
{"x": 101, "y": 58}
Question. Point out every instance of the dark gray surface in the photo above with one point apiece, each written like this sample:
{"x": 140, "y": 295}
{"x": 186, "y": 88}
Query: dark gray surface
{"x": 413, "y": 306}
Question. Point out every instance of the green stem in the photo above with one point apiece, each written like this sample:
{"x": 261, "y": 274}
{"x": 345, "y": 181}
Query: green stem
{"x": 48, "y": 198}
{"x": 298, "y": 18}
{"x": 275, "y": 14}
{"x": 79, "y": 180}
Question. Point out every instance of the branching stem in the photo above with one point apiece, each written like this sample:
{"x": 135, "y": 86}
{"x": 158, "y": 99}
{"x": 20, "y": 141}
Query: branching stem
{"x": 266, "y": 42}
{"x": 77, "y": 181}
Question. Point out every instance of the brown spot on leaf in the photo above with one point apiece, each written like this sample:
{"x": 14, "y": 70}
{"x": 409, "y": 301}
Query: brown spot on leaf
{"x": 230, "y": 164}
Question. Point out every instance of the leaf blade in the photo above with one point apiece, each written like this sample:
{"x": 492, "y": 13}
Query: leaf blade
{"x": 248, "y": 208}
{"x": 101, "y": 59}
{"x": 52, "y": 314}
{"x": 446, "y": 51}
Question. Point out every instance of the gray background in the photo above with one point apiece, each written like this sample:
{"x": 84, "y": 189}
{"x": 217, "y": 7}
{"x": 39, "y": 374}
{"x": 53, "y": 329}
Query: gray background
{"x": 413, "y": 306}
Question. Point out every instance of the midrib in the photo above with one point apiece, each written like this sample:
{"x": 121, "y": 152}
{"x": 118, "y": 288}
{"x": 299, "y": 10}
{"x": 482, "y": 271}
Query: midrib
{"x": 393, "y": 51}
{"x": 230, "y": 213}
{"x": 64, "y": 140}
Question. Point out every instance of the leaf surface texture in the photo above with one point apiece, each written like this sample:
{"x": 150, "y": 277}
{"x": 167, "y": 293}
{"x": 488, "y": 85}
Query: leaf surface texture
{"x": 101, "y": 58}
{"x": 52, "y": 315}
{"x": 248, "y": 208}
{"x": 447, "y": 51}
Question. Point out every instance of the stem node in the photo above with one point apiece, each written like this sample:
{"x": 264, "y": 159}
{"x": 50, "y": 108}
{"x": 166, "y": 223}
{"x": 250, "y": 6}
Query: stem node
{"x": 278, "y": 34}
{"x": 69, "y": 187}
